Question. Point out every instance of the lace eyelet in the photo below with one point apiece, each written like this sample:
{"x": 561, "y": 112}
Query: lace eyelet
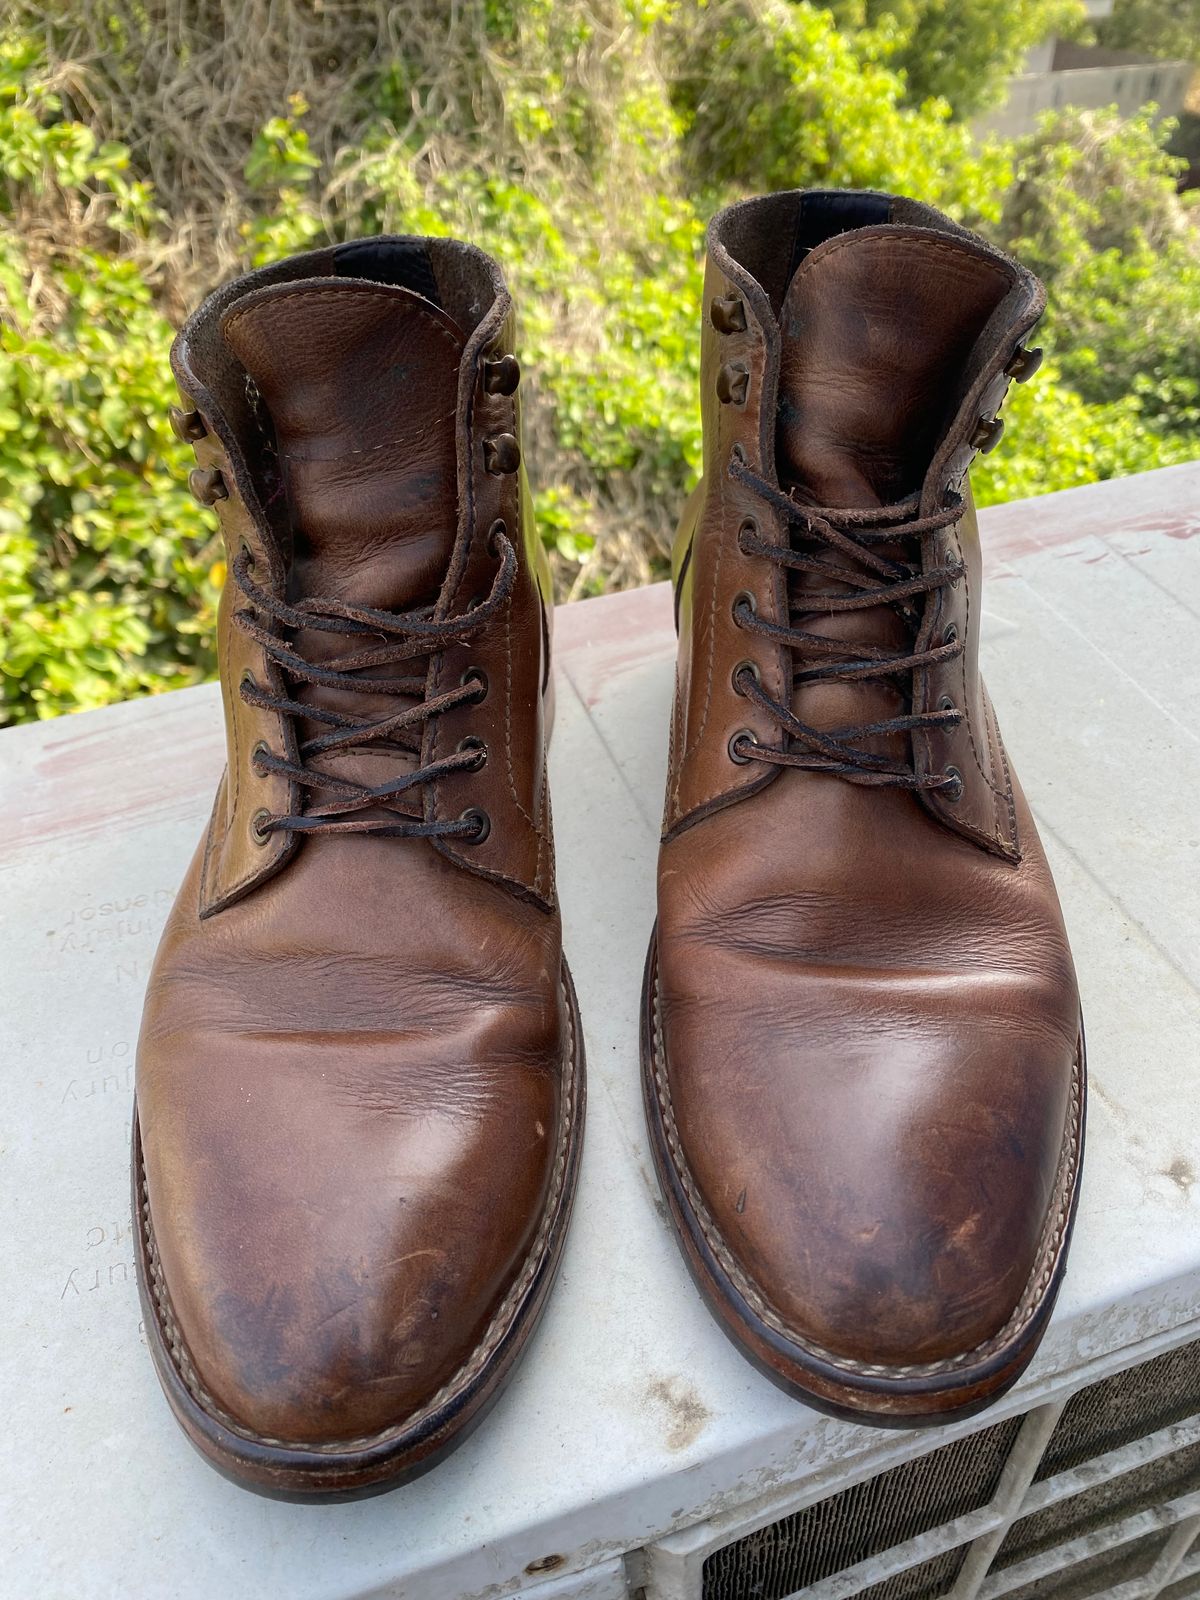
{"x": 951, "y": 634}
{"x": 260, "y": 749}
{"x": 207, "y": 485}
{"x": 953, "y": 791}
{"x": 738, "y": 454}
{"x": 259, "y": 831}
{"x": 748, "y": 530}
{"x": 501, "y": 454}
{"x": 477, "y": 676}
{"x": 744, "y": 597}
{"x": 471, "y": 743}
{"x": 745, "y": 666}
{"x": 247, "y": 554}
{"x": 482, "y": 823}
{"x": 502, "y": 375}
{"x": 248, "y": 681}
{"x": 987, "y": 434}
{"x": 728, "y": 314}
{"x": 497, "y": 529}
{"x": 746, "y": 734}
{"x": 187, "y": 426}
{"x": 946, "y": 704}
{"x": 733, "y": 384}
{"x": 1024, "y": 364}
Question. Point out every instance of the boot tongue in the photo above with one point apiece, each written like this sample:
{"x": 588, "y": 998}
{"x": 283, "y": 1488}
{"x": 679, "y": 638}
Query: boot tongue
{"x": 361, "y": 384}
{"x": 876, "y": 327}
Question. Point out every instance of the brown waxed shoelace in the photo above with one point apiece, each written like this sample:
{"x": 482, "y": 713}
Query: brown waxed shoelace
{"x": 406, "y": 636}
{"x": 878, "y": 581}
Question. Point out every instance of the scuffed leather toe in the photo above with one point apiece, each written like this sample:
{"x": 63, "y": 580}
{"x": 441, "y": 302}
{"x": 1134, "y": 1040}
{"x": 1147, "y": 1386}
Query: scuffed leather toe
{"x": 876, "y": 1219}
{"x": 341, "y": 1204}
{"x": 326, "y": 1289}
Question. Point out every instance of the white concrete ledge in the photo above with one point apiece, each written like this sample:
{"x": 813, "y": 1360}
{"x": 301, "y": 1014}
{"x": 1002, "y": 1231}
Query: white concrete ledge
{"x": 632, "y": 1418}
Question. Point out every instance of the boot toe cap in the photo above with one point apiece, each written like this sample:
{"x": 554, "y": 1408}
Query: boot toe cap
{"x": 891, "y": 1206}
{"x": 320, "y": 1292}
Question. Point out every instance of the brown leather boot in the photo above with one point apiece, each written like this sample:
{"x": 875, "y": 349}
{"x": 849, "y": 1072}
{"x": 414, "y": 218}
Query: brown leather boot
{"x": 862, "y": 1046}
{"x": 360, "y": 1075}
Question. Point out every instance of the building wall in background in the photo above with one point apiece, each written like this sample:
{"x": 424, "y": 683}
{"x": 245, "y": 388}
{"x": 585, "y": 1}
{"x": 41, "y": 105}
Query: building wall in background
{"x": 1060, "y": 73}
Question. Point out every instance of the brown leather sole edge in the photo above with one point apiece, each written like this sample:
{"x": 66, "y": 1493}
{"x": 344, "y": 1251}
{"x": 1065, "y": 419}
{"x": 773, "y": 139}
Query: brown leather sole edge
{"x": 888, "y": 1397}
{"x": 357, "y": 1468}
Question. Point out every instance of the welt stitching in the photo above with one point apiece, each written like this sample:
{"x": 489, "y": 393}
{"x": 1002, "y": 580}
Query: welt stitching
{"x": 1049, "y": 1251}
{"x": 470, "y": 1368}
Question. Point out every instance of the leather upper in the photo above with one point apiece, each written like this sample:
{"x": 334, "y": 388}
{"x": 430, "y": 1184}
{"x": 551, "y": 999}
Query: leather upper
{"x": 349, "y": 1093}
{"x": 869, "y": 1017}
{"x": 350, "y": 1082}
{"x": 239, "y": 443}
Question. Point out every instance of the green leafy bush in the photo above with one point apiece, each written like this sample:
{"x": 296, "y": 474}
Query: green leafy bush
{"x": 584, "y": 145}
{"x": 1095, "y": 210}
{"x": 774, "y": 97}
{"x": 960, "y": 51}
{"x": 106, "y": 587}
{"x": 1167, "y": 29}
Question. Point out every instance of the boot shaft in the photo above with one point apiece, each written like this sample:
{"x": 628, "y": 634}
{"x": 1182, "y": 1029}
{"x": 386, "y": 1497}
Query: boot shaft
{"x": 855, "y": 351}
{"x": 355, "y": 417}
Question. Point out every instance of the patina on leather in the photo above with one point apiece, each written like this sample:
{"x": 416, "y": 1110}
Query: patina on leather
{"x": 863, "y": 1056}
{"x": 359, "y": 1081}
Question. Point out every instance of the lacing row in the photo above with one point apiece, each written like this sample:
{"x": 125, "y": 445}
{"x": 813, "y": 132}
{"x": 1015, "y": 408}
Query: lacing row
{"x": 405, "y": 637}
{"x": 874, "y": 579}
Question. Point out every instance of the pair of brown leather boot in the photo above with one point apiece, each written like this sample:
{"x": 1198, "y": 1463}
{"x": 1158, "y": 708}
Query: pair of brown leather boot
{"x": 360, "y": 1079}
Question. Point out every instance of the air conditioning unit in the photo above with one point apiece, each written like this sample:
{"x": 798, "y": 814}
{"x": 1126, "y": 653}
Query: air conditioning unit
{"x": 1095, "y": 1493}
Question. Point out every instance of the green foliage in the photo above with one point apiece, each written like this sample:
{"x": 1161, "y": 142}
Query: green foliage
{"x": 1094, "y": 210}
{"x": 960, "y": 50}
{"x": 1056, "y": 439}
{"x": 104, "y": 565}
{"x": 585, "y": 146}
{"x": 1168, "y": 29}
{"x": 774, "y": 97}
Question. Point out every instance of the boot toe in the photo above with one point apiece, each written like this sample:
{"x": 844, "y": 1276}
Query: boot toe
{"x": 322, "y": 1286}
{"x": 894, "y": 1206}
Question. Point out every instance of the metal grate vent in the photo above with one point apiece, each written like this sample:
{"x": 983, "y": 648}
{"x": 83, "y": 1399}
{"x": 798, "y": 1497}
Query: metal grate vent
{"x": 1124, "y": 1407}
{"x": 861, "y": 1521}
{"x": 1183, "y": 1588}
{"x": 1151, "y": 1485}
{"x": 1098, "y": 1574}
{"x": 930, "y": 1581}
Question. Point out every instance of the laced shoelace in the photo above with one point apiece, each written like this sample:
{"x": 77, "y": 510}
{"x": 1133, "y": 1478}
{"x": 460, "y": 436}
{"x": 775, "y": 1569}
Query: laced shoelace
{"x": 874, "y": 579}
{"x": 406, "y": 637}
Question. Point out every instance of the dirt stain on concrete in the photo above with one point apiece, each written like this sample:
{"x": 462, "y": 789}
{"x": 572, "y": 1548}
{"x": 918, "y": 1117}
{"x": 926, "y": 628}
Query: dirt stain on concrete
{"x": 1182, "y": 1174}
{"x": 686, "y": 1414}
